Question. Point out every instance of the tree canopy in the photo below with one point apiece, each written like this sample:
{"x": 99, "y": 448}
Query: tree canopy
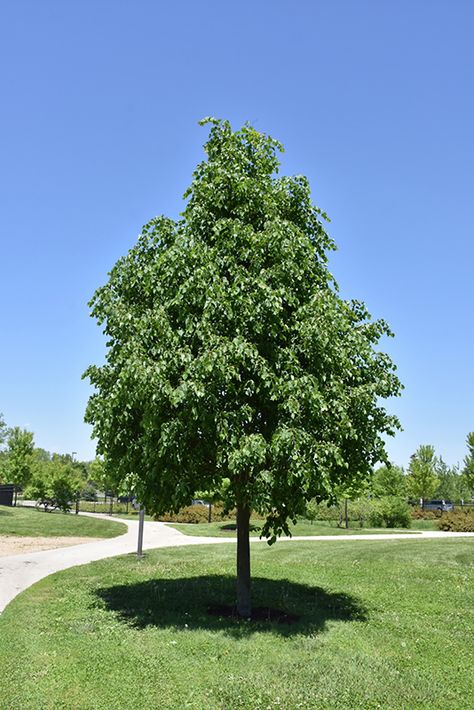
{"x": 3, "y": 430}
{"x": 19, "y": 460}
{"x": 389, "y": 480}
{"x": 55, "y": 483}
{"x": 422, "y": 479}
{"x": 468, "y": 470}
{"x": 230, "y": 353}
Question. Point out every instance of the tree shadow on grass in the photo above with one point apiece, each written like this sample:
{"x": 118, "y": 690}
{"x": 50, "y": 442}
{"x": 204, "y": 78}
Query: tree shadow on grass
{"x": 232, "y": 527}
{"x": 194, "y": 603}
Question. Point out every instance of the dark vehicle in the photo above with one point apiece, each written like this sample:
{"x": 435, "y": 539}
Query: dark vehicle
{"x": 126, "y": 499}
{"x": 441, "y": 505}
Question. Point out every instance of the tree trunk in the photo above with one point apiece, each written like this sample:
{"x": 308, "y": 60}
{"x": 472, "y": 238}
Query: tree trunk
{"x": 244, "y": 603}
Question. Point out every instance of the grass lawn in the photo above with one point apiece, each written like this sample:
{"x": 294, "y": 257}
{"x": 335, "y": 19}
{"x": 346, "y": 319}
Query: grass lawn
{"x": 381, "y": 625}
{"x": 29, "y": 522}
{"x": 303, "y": 527}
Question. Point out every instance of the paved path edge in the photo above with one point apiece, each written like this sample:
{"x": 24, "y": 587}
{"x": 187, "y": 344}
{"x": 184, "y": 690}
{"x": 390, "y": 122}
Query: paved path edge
{"x": 18, "y": 572}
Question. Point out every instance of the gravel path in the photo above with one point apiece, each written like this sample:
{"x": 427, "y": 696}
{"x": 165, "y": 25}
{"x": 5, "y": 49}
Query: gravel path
{"x": 17, "y": 544}
{"x": 18, "y": 572}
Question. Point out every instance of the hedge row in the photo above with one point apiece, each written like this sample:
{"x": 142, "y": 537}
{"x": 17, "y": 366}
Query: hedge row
{"x": 457, "y": 521}
{"x": 390, "y": 512}
{"x": 197, "y": 514}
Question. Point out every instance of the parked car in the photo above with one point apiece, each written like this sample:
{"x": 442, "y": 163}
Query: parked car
{"x": 442, "y": 505}
{"x": 126, "y": 499}
{"x": 198, "y": 501}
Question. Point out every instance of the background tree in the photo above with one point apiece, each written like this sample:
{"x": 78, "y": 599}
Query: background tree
{"x": 19, "y": 462}
{"x": 41, "y": 454}
{"x": 422, "y": 480}
{"x": 3, "y": 456}
{"x": 231, "y": 355}
{"x": 389, "y": 480}
{"x": 55, "y": 483}
{"x": 96, "y": 471}
{"x": 104, "y": 478}
{"x": 3, "y": 430}
{"x": 3, "y": 467}
{"x": 451, "y": 484}
{"x": 468, "y": 470}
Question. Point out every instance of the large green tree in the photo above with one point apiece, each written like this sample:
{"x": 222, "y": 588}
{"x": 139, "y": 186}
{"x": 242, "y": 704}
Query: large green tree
{"x": 231, "y": 355}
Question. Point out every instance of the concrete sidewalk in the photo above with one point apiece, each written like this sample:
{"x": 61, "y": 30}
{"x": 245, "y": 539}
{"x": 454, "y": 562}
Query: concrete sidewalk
{"x": 18, "y": 572}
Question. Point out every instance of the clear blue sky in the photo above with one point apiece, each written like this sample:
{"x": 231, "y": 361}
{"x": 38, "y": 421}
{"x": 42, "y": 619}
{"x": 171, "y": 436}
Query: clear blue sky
{"x": 373, "y": 101}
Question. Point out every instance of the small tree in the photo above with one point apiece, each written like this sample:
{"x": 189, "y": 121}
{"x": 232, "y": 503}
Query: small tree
{"x": 231, "y": 354}
{"x": 389, "y": 480}
{"x": 422, "y": 480}
{"x": 96, "y": 473}
{"x": 468, "y": 470}
{"x": 54, "y": 484}
{"x": 19, "y": 461}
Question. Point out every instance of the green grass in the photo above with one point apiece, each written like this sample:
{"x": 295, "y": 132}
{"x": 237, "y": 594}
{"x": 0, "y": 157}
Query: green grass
{"x": 29, "y": 522}
{"x": 424, "y": 525}
{"x": 101, "y": 507}
{"x": 303, "y": 527}
{"x": 382, "y": 625}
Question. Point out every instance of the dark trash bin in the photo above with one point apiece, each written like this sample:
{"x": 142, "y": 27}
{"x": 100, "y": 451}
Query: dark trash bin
{"x": 6, "y": 494}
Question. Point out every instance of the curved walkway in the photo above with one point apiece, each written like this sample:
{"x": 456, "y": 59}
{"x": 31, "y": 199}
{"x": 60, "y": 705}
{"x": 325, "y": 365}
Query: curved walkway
{"x": 18, "y": 572}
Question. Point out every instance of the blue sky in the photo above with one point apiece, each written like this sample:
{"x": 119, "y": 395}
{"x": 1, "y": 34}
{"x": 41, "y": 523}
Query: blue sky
{"x": 373, "y": 101}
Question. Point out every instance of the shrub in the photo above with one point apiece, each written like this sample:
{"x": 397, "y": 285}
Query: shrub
{"x": 102, "y": 506}
{"x": 197, "y": 514}
{"x": 220, "y": 513}
{"x": 189, "y": 514}
{"x": 389, "y": 512}
{"x": 359, "y": 510}
{"x": 54, "y": 485}
{"x": 421, "y": 514}
{"x": 457, "y": 521}
{"x": 321, "y": 511}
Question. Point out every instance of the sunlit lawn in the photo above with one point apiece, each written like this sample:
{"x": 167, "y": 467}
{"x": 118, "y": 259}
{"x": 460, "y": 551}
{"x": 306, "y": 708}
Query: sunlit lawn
{"x": 29, "y": 522}
{"x": 381, "y": 625}
{"x": 227, "y": 528}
